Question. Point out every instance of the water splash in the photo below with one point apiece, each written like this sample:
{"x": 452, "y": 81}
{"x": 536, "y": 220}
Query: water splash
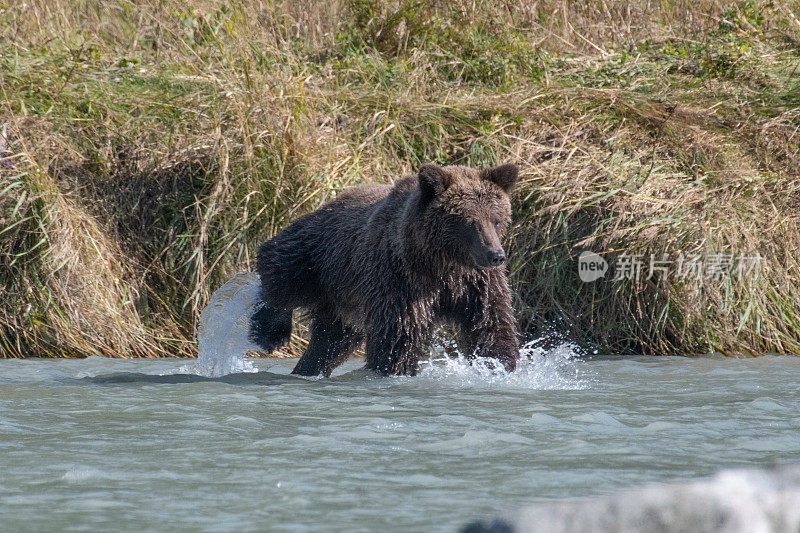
{"x": 540, "y": 369}
{"x": 222, "y": 332}
{"x": 223, "y": 343}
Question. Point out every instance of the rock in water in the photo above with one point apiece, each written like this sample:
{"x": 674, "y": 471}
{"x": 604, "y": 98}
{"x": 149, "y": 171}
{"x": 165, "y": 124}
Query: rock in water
{"x": 733, "y": 501}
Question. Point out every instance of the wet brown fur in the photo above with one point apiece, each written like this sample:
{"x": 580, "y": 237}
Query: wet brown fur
{"x": 385, "y": 264}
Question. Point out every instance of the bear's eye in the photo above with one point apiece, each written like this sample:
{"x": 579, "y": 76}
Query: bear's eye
{"x": 497, "y": 223}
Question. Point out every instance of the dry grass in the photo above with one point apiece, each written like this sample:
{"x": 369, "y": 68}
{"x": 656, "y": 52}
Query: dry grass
{"x": 150, "y": 147}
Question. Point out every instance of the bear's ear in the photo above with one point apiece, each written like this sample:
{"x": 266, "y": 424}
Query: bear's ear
{"x": 505, "y": 176}
{"x": 433, "y": 180}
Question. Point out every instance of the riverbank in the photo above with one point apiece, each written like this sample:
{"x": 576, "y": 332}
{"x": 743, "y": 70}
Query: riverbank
{"x": 148, "y": 150}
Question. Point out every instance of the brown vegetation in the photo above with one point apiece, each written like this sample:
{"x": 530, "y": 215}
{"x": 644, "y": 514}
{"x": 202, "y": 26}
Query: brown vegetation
{"x": 149, "y": 147}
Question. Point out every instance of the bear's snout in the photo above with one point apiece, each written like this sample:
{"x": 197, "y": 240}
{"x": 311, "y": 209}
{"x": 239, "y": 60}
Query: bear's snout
{"x": 485, "y": 247}
{"x": 496, "y": 258}
{"x": 491, "y": 258}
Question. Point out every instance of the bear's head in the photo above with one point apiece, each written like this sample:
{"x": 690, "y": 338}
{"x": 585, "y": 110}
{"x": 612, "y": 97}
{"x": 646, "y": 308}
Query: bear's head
{"x": 467, "y": 211}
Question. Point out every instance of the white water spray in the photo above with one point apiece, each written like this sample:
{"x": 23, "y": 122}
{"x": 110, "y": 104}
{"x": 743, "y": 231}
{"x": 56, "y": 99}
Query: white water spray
{"x": 539, "y": 369}
{"x": 223, "y": 331}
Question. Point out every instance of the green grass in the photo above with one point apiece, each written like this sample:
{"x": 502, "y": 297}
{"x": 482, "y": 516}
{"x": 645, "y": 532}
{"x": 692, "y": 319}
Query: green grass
{"x": 153, "y": 146}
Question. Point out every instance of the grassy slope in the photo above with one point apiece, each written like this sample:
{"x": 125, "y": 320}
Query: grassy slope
{"x": 151, "y": 146}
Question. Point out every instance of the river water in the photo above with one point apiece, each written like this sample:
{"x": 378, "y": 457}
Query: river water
{"x": 131, "y": 445}
{"x": 229, "y": 443}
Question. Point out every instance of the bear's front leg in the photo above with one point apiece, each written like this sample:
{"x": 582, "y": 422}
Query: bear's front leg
{"x": 393, "y": 350}
{"x": 490, "y": 329}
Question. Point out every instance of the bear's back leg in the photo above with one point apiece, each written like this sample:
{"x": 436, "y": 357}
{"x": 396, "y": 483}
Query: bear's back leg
{"x": 287, "y": 265}
{"x": 270, "y": 327}
{"x": 330, "y": 345}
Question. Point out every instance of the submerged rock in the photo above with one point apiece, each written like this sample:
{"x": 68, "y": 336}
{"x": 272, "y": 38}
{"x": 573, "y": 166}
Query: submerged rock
{"x": 732, "y": 501}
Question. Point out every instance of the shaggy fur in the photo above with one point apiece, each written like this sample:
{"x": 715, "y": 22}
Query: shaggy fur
{"x": 385, "y": 264}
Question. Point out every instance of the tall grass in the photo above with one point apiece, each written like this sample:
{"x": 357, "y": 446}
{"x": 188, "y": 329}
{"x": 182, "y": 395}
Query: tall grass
{"x": 149, "y": 147}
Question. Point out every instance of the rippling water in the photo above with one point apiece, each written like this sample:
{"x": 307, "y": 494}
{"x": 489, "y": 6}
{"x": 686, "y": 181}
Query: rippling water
{"x": 129, "y": 445}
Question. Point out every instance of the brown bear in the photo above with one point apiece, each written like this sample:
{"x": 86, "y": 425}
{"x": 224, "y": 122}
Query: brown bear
{"x": 385, "y": 265}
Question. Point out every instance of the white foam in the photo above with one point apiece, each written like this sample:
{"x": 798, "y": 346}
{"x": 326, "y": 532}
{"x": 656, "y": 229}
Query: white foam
{"x": 77, "y": 474}
{"x": 540, "y": 369}
{"x": 223, "y": 331}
